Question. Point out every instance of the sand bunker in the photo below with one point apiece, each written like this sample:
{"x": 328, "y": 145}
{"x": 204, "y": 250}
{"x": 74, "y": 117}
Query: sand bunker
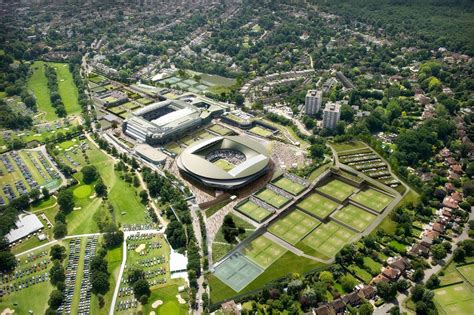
{"x": 140, "y": 248}
{"x": 152, "y": 313}
{"x": 180, "y": 299}
{"x": 157, "y": 303}
{"x": 8, "y": 311}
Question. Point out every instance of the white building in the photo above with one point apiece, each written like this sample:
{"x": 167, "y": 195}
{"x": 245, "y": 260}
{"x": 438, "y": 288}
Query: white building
{"x": 25, "y": 225}
{"x": 331, "y": 115}
{"x": 313, "y": 102}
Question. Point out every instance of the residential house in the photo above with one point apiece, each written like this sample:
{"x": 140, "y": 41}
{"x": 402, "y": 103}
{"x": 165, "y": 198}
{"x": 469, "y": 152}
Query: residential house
{"x": 325, "y": 309}
{"x": 379, "y": 278}
{"x": 419, "y": 250}
{"x": 391, "y": 273}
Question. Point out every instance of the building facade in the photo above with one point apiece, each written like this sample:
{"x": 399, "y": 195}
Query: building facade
{"x": 313, "y": 102}
{"x": 331, "y": 115}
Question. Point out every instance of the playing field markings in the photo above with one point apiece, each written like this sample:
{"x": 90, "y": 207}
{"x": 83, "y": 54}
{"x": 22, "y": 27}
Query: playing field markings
{"x": 288, "y": 185}
{"x": 372, "y": 199}
{"x": 294, "y": 226}
{"x": 272, "y": 198}
{"x": 237, "y": 271}
{"x": 263, "y": 251}
{"x": 317, "y": 205}
{"x": 337, "y": 189}
{"x": 354, "y": 217}
{"x": 253, "y": 211}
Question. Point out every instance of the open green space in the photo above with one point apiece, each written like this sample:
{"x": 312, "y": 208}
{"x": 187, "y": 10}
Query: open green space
{"x": 263, "y": 251}
{"x": 38, "y": 83}
{"x": 467, "y": 271}
{"x": 224, "y": 164}
{"x": 327, "y": 239}
{"x": 82, "y": 191}
{"x": 67, "y": 88}
{"x": 360, "y": 273}
{"x": 372, "y": 199}
{"x": 317, "y": 205}
{"x": 337, "y": 189}
{"x": 294, "y": 226}
{"x": 289, "y": 185}
{"x": 272, "y": 198}
{"x": 167, "y": 295}
{"x": 455, "y": 299}
{"x": 354, "y": 217}
{"x": 253, "y": 211}
{"x": 344, "y": 146}
{"x": 220, "y": 130}
{"x": 174, "y": 147}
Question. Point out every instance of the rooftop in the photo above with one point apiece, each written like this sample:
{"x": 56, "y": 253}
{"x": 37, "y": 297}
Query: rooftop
{"x": 25, "y": 225}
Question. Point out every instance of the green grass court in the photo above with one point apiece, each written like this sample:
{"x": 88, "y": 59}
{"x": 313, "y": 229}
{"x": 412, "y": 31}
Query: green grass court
{"x": 260, "y": 131}
{"x": 253, "y": 211}
{"x": 263, "y": 251}
{"x": 328, "y": 239}
{"x": 337, "y": 189}
{"x": 237, "y": 271}
{"x": 467, "y": 271}
{"x": 272, "y": 198}
{"x": 223, "y": 164}
{"x": 220, "y": 130}
{"x": 288, "y": 185}
{"x": 293, "y": 226}
{"x": 355, "y": 217}
{"x": 318, "y": 205}
{"x": 455, "y": 299}
{"x": 372, "y": 199}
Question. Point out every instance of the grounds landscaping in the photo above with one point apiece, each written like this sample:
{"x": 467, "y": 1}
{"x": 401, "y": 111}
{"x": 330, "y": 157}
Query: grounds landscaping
{"x": 263, "y": 251}
{"x": 253, "y": 211}
{"x": 317, "y": 205}
{"x": 372, "y": 199}
{"x": 294, "y": 226}
{"x": 337, "y": 189}
{"x": 289, "y": 185}
{"x": 237, "y": 271}
{"x": 272, "y": 198}
{"x": 354, "y": 217}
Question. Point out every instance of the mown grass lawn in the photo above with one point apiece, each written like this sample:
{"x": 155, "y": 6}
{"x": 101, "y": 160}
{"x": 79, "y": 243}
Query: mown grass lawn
{"x": 38, "y": 84}
{"x": 67, "y": 88}
{"x": 170, "y": 305}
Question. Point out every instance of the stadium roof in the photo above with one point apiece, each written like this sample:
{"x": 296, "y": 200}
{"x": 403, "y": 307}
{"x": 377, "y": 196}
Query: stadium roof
{"x": 152, "y": 154}
{"x": 193, "y": 159}
{"x": 25, "y": 225}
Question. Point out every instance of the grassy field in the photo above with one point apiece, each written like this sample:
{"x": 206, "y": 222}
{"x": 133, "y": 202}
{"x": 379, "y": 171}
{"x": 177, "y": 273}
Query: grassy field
{"x": 468, "y": 272}
{"x": 170, "y": 304}
{"x": 67, "y": 88}
{"x": 39, "y": 85}
{"x": 372, "y": 199}
{"x": 288, "y": 185}
{"x": 293, "y": 226}
{"x": 454, "y": 299}
{"x": 337, "y": 189}
{"x": 355, "y": 217}
{"x": 260, "y": 131}
{"x": 223, "y": 164}
{"x": 220, "y": 130}
{"x": 253, "y": 211}
{"x": 317, "y": 205}
{"x": 272, "y": 198}
{"x": 263, "y": 251}
{"x": 287, "y": 264}
{"x": 344, "y": 146}
{"x": 327, "y": 239}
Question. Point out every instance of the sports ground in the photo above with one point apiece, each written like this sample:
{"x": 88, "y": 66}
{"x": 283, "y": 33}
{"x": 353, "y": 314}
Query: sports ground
{"x": 329, "y": 238}
{"x": 272, "y": 198}
{"x": 253, "y": 211}
{"x": 294, "y": 226}
{"x": 337, "y": 189}
{"x": 223, "y": 164}
{"x": 372, "y": 199}
{"x": 263, "y": 251}
{"x": 288, "y": 185}
{"x": 237, "y": 271}
{"x": 455, "y": 299}
{"x": 354, "y": 217}
{"x": 317, "y": 205}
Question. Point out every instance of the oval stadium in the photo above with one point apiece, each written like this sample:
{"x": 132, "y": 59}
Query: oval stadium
{"x": 228, "y": 162}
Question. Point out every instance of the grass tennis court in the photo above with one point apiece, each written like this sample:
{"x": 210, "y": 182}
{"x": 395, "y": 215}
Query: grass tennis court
{"x": 318, "y": 205}
{"x": 272, "y": 198}
{"x": 221, "y": 130}
{"x": 223, "y": 164}
{"x": 355, "y": 217}
{"x": 328, "y": 239}
{"x": 253, "y": 211}
{"x": 294, "y": 226}
{"x": 260, "y": 131}
{"x": 338, "y": 189}
{"x": 263, "y": 251}
{"x": 237, "y": 271}
{"x": 467, "y": 271}
{"x": 288, "y": 185}
{"x": 372, "y": 199}
{"x": 455, "y": 299}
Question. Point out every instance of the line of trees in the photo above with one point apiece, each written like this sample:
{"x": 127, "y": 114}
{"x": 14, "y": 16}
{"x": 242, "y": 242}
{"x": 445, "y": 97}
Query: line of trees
{"x": 56, "y": 100}
{"x": 57, "y": 276}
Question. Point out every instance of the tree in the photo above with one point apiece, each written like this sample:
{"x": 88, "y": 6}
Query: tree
{"x": 326, "y": 277}
{"x": 417, "y": 292}
{"x": 438, "y": 251}
{"x": 55, "y": 299}
{"x": 100, "y": 282}
{"x": 386, "y": 290}
{"x": 89, "y": 174}
{"x": 100, "y": 188}
{"x": 433, "y": 282}
{"x": 229, "y": 229}
{"x": 113, "y": 237}
{"x": 66, "y": 201}
{"x": 35, "y": 194}
{"x": 141, "y": 288}
{"x": 7, "y": 261}
{"x": 143, "y": 196}
{"x": 239, "y": 100}
{"x": 418, "y": 274}
{"x": 348, "y": 282}
{"x": 60, "y": 230}
{"x": 45, "y": 192}
{"x": 366, "y": 309}
{"x": 57, "y": 252}
{"x": 459, "y": 255}
{"x": 56, "y": 273}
